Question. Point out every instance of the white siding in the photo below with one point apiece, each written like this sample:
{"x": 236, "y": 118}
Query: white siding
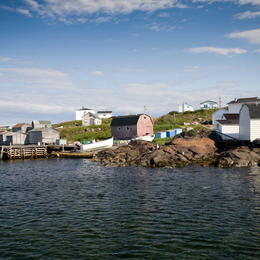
{"x": 230, "y": 130}
{"x": 244, "y": 123}
{"x": 255, "y": 129}
{"x": 234, "y": 108}
{"x": 81, "y": 113}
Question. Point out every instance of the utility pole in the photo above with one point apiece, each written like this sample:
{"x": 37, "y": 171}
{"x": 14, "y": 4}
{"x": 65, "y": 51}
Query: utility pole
{"x": 145, "y": 109}
{"x": 219, "y": 102}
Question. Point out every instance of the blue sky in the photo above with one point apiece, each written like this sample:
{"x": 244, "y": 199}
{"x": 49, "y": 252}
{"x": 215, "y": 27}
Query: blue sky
{"x": 58, "y": 55}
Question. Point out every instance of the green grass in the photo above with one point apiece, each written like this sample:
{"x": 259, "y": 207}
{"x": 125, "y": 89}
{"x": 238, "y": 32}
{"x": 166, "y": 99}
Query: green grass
{"x": 162, "y": 141}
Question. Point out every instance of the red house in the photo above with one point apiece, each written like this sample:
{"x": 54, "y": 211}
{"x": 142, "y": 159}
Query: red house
{"x": 127, "y": 127}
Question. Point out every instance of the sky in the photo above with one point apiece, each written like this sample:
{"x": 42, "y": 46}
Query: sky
{"x": 121, "y": 55}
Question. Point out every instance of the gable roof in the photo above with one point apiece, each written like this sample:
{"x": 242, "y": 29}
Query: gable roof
{"x": 231, "y": 116}
{"x": 20, "y": 125}
{"x": 209, "y": 101}
{"x": 228, "y": 122}
{"x": 125, "y": 120}
{"x": 244, "y": 100}
{"x": 110, "y": 112}
{"x": 254, "y": 110}
{"x": 84, "y": 108}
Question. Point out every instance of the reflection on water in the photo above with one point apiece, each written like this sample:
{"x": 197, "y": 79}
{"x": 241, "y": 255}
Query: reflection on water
{"x": 74, "y": 209}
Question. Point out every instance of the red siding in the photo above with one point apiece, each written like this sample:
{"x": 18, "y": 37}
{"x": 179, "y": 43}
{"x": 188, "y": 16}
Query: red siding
{"x": 145, "y": 125}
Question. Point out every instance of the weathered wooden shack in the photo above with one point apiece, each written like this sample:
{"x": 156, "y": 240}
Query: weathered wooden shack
{"x": 21, "y": 127}
{"x": 43, "y": 136}
{"x": 127, "y": 127}
{"x": 16, "y": 138}
{"x": 41, "y": 124}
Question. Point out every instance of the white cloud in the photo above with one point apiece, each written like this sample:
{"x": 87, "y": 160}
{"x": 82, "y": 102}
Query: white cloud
{"x": 220, "y": 51}
{"x": 240, "y": 2}
{"x": 251, "y": 36}
{"x": 35, "y": 77}
{"x": 6, "y": 59}
{"x": 97, "y": 73}
{"x": 160, "y": 27}
{"x": 247, "y": 15}
{"x": 60, "y": 9}
{"x": 22, "y": 11}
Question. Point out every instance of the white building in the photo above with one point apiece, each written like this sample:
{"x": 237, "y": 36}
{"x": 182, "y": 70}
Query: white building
{"x": 208, "y": 104}
{"x": 82, "y": 111}
{"x": 90, "y": 119}
{"x": 228, "y": 126}
{"x": 185, "y": 107}
{"x": 104, "y": 114}
{"x": 235, "y": 105}
{"x": 249, "y": 122}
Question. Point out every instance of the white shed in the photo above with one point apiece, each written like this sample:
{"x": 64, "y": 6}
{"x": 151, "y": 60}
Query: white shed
{"x": 104, "y": 114}
{"x": 185, "y": 107}
{"x": 90, "y": 119}
{"x": 249, "y": 122}
{"x": 228, "y": 129}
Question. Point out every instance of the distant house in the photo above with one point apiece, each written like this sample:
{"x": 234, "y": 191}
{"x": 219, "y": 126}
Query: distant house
{"x": 249, "y": 122}
{"x": 41, "y": 124}
{"x": 82, "y": 111}
{"x": 90, "y": 119}
{"x": 23, "y": 127}
{"x": 127, "y": 127}
{"x": 235, "y": 105}
{"x": 228, "y": 126}
{"x": 208, "y": 104}
{"x": 43, "y": 136}
{"x": 104, "y": 114}
{"x": 185, "y": 107}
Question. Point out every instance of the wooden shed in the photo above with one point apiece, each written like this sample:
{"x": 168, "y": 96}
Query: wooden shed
{"x": 249, "y": 122}
{"x": 43, "y": 136}
{"x": 127, "y": 127}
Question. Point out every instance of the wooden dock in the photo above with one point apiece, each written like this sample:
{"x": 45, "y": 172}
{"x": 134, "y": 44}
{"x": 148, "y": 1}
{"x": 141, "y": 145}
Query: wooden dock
{"x": 23, "y": 152}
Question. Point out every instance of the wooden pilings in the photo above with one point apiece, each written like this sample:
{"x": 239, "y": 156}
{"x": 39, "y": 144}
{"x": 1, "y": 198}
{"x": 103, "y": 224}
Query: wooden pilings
{"x": 23, "y": 152}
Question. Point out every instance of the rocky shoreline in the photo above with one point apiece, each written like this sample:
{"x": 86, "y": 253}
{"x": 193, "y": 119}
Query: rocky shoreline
{"x": 202, "y": 149}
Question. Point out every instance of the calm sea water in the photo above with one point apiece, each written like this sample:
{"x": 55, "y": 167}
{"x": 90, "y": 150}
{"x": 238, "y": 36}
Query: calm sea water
{"x": 74, "y": 209}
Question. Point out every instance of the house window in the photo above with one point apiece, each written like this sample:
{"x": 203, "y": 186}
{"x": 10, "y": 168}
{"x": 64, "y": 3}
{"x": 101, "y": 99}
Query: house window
{"x": 145, "y": 117}
{"x": 127, "y": 128}
{"x": 119, "y": 128}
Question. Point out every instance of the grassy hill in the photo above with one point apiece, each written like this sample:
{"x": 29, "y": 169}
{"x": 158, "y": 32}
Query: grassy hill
{"x": 74, "y": 131}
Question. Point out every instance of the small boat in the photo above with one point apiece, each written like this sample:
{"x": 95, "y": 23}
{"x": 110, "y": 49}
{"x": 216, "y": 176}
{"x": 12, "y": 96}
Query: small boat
{"x": 148, "y": 138}
{"x": 97, "y": 145}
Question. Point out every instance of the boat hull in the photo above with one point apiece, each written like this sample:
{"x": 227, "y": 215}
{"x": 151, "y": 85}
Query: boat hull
{"x": 97, "y": 145}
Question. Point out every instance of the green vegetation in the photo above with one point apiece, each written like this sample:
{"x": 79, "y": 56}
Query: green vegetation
{"x": 74, "y": 131}
{"x": 176, "y": 120}
{"x": 162, "y": 141}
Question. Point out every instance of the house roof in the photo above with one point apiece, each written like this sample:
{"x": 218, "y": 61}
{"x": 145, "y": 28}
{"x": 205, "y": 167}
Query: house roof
{"x": 43, "y": 130}
{"x": 228, "y": 122}
{"x": 209, "y": 101}
{"x": 42, "y": 122}
{"x": 231, "y": 116}
{"x": 125, "y": 120}
{"x": 110, "y": 112}
{"x": 244, "y": 100}
{"x": 254, "y": 110}
{"x": 20, "y": 125}
{"x": 84, "y": 108}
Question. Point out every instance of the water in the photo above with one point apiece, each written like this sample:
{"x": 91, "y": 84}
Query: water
{"x": 74, "y": 209}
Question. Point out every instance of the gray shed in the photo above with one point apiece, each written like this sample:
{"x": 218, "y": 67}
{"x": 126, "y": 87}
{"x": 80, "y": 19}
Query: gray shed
{"x": 41, "y": 124}
{"x": 43, "y": 136}
{"x": 16, "y": 138}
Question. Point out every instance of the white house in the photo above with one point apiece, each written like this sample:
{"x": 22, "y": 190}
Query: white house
{"x": 208, "y": 104}
{"x": 218, "y": 115}
{"x": 235, "y": 105}
{"x": 104, "y": 114}
{"x": 90, "y": 119}
{"x": 249, "y": 122}
{"x": 82, "y": 111}
{"x": 185, "y": 107}
{"x": 228, "y": 127}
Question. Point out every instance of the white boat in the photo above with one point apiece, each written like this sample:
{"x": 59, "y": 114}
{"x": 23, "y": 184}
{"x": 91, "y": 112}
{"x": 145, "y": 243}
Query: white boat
{"x": 97, "y": 145}
{"x": 148, "y": 138}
